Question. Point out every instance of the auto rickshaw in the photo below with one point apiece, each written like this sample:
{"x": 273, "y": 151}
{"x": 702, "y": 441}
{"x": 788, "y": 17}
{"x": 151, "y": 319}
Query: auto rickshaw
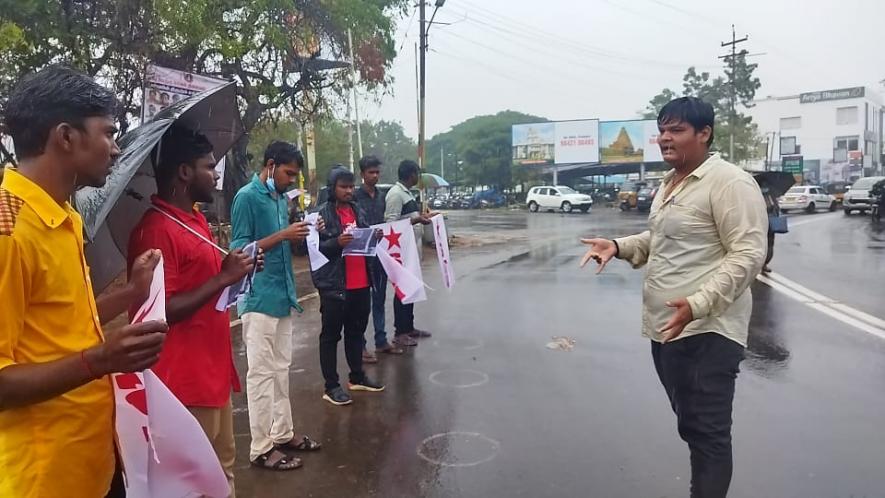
{"x": 837, "y": 190}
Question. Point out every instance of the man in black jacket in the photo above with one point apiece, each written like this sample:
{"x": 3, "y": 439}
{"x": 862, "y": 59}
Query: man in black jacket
{"x": 343, "y": 284}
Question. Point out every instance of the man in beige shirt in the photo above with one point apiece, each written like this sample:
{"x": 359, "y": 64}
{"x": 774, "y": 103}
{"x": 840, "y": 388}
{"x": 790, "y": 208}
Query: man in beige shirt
{"x": 705, "y": 244}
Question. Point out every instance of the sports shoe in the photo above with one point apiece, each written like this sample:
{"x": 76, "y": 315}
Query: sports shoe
{"x": 365, "y": 385}
{"x": 404, "y": 340}
{"x": 420, "y": 334}
{"x": 338, "y": 397}
{"x": 369, "y": 357}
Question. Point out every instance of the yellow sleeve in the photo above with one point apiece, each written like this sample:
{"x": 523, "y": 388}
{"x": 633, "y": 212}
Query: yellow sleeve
{"x": 13, "y": 298}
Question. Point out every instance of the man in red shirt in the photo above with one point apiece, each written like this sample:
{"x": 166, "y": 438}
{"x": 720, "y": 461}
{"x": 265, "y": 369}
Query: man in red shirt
{"x": 197, "y": 361}
{"x": 343, "y": 284}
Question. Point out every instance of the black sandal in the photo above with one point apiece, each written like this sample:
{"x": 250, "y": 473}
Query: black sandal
{"x": 306, "y": 444}
{"x": 284, "y": 463}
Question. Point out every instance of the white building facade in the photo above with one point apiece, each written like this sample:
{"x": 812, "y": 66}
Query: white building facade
{"x": 836, "y": 134}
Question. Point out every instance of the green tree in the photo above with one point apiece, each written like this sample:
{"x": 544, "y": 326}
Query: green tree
{"x": 717, "y": 92}
{"x": 388, "y": 141}
{"x": 479, "y": 151}
{"x": 269, "y": 47}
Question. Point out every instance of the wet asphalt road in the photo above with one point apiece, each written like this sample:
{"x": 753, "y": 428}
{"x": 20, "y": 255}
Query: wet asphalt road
{"x": 484, "y": 409}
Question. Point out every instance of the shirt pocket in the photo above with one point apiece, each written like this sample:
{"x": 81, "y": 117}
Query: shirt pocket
{"x": 678, "y": 221}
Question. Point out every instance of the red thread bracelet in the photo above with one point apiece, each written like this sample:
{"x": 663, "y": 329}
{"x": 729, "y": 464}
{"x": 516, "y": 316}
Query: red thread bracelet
{"x": 86, "y": 364}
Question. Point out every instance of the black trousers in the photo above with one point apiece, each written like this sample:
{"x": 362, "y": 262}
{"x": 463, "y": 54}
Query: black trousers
{"x": 351, "y": 315}
{"x": 698, "y": 374}
{"x": 403, "y": 317}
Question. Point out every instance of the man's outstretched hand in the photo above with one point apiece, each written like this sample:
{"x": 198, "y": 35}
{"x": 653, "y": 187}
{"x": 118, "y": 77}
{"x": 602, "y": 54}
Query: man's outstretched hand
{"x": 601, "y": 250}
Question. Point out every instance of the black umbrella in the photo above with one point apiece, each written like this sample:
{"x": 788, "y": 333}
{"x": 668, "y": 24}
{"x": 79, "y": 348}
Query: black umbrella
{"x": 778, "y": 182}
{"x": 109, "y": 213}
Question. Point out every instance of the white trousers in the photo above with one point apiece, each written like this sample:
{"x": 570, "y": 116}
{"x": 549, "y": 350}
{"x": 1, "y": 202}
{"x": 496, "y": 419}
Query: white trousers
{"x": 268, "y": 343}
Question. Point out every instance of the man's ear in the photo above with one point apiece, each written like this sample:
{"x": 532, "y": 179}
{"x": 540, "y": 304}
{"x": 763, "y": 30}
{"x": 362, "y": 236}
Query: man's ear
{"x": 64, "y": 136}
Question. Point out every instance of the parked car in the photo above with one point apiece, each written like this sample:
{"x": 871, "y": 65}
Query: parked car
{"x": 807, "y": 197}
{"x": 440, "y": 202}
{"x": 550, "y": 198}
{"x": 857, "y": 198}
{"x": 644, "y": 198}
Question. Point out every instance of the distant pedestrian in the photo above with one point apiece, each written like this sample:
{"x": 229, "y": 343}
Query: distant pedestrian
{"x": 774, "y": 209}
{"x": 260, "y": 214}
{"x": 343, "y": 284}
{"x": 372, "y": 201}
{"x": 401, "y": 204}
{"x": 704, "y": 247}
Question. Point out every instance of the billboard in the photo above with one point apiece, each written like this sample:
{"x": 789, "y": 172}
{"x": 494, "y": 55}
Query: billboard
{"x": 561, "y": 142}
{"x": 586, "y": 141}
{"x": 164, "y": 87}
{"x": 623, "y": 141}
{"x": 534, "y": 143}
{"x": 577, "y": 142}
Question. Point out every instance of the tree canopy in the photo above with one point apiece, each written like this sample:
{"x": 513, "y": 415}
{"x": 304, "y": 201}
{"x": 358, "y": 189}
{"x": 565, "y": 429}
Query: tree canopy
{"x": 478, "y": 151}
{"x": 717, "y": 92}
{"x": 266, "y": 46}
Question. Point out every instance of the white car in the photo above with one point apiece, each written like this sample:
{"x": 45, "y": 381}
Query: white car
{"x": 558, "y": 197}
{"x": 857, "y": 198}
{"x": 809, "y": 198}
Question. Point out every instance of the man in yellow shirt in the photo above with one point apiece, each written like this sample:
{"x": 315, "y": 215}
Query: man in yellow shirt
{"x": 56, "y": 401}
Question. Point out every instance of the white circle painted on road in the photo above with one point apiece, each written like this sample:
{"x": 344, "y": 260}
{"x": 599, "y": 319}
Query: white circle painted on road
{"x": 465, "y": 343}
{"x": 459, "y": 378}
{"x": 458, "y": 449}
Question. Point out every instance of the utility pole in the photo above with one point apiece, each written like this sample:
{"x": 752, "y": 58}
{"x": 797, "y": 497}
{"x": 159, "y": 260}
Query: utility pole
{"x": 422, "y": 82}
{"x": 732, "y": 60}
{"x": 442, "y": 162}
{"x": 422, "y": 79}
{"x": 356, "y": 104}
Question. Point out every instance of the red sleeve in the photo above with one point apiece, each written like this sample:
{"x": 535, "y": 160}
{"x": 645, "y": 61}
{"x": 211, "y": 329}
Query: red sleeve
{"x": 153, "y": 233}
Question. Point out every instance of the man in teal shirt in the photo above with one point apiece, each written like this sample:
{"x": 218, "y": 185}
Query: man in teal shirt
{"x": 260, "y": 214}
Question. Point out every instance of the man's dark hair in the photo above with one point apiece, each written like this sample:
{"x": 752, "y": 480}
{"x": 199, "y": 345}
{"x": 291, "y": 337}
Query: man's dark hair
{"x": 283, "y": 153}
{"x": 54, "y": 95}
{"x": 337, "y": 174}
{"x": 368, "y": 162}
{"x": 691, "y": 110}
{"x": 180, "y": 145}
{"x": 408, "y": 168}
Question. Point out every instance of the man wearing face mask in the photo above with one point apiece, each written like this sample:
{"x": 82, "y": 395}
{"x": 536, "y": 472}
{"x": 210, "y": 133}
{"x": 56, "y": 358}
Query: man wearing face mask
{"x": 260, "y": 214}
{"x": 704, "y": 247}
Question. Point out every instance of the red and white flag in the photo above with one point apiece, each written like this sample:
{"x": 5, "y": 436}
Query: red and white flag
{"x": 164, "y": 451}
{"x": 402, "y": 262}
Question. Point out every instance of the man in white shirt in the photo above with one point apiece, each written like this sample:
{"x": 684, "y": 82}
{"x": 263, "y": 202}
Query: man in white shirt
{"x": 705, "y": 245}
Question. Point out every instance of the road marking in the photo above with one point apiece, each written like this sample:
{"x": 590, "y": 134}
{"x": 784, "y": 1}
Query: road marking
{"x": 846, "y": 314}
{"x": 312, "y": 295}
{"x": 814, "y": 219}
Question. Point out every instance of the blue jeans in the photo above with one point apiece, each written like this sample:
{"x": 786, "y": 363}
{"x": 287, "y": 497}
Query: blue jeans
{"x": 379, "y": 295}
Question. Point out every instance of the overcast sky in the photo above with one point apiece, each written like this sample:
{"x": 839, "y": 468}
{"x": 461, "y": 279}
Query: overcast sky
{"x": 571, "y": 59}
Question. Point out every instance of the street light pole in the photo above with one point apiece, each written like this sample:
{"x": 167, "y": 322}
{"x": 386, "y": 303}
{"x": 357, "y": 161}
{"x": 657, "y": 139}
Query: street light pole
{"x": 422, "y": 81}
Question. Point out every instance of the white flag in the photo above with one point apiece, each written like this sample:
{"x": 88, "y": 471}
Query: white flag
{"x": 442, "y": 250}
{"x": 399, "y": 243}
{"x": 164, "y": 451}
{"x": 317, "y": 258}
